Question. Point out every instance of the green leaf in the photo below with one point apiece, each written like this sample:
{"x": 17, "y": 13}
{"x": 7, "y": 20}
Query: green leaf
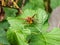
{"x": 28, "y": 6}
{"x": 4, "y": 25}
{"x": 50, "y": 38}
{"x": 3, "y": 38}
{"x": 41, "y": 16}
{"x": 34, "y": 4}
{"x": 45, "y": 27}
{"x": 54, "y": 3}
{"x": 17, "y": 37}
{"x": 37, "y": 3}
{"x": 53, "y": 38}
{"x": 37, "y": 39}
{"x": 15, "y": 24}
{"x": 10, "y": 12}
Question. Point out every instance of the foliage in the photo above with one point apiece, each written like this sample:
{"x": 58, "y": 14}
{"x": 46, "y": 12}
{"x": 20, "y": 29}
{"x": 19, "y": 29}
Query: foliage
{"x": 29, "y": 27}
{"x": 55, "y": 3}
